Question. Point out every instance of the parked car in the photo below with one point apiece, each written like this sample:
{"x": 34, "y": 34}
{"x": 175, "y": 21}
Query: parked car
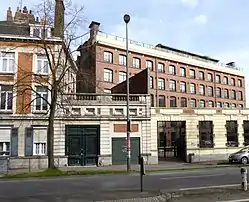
{"x": 241, "y": 156}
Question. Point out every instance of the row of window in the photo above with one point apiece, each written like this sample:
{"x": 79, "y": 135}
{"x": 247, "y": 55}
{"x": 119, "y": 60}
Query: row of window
{"x": 193, "y": 103}
{"x": 136, "y": 63}
{"x": 38, "y": 148}
{"x": 8, "y": 63}
{"x": 202, "y": 89}
{"x": 206, "y": 134}
{"x": 6, "y": 99}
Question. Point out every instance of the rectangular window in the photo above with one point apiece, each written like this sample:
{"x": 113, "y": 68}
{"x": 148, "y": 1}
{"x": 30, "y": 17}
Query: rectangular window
{"x": 39, "y": 148}
{"x": 240, "y": 96}
{"x": 107, "y": 91}
{"x": 108, "y": 75}
{"x": 206, "y": 139}
{"x": 218, "y": 92}
{"x": 161, "y": 84}
{"x": 151, "y": 82}
{"x": 183, "y": 87}
{"x": 172, "y": 85}
{"x": 172, "y": 69}
{"x": 239, "y": 83}
{"x": 4, "y": 148}
{"x": 7, "y": 62}
{"x": 210, "y": 91}
{"x": 193, "y": 103}
{"x": 162, "y": 101}
{"x": 232, "y": 134}
{"x": 136, "y": 62}
{"x": 182, "y": 71}
{"x": 226, "y": 93}
{"x": 183, "y": 102}
{"x": 160, "y": 68}
{"x": 201, "y": 75}
{"x": 108, "y": 56}
{"x": 192, "y": 88}
{"x": 149, "y": 65}
{"x": 42, "y": 64}
{"x": 225, "y": 80}
{"x": 41, "y": 101}
{"x": 152, "y": 100}
{"x": 122, "y": 60}
{"x": 6, "y": 97}
{"x": 210, "y": 77}
{"x": 217, "y": 78}
{"x": 173, "y": 101}
{"x": 202, "y": 89}
{"x": 122, "y": 76}
{"x": 202, "y": 103}
{"x": 192, "y": 74}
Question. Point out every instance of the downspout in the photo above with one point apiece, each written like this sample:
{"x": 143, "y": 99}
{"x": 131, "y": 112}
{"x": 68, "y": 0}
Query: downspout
{"x": 156, "y": 70}
{"x": 215, "y": 95}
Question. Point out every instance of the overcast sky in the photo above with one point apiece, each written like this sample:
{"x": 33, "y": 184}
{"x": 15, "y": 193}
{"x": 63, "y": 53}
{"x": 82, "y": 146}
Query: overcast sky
{"x": 216, "y": 28}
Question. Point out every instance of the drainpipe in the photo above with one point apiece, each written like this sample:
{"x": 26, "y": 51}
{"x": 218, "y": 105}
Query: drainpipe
{"x": 215, "y": 96}
{"x": 156, "y": 86}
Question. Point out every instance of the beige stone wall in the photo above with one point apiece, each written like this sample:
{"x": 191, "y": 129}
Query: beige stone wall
{"x": 192, "y": 117}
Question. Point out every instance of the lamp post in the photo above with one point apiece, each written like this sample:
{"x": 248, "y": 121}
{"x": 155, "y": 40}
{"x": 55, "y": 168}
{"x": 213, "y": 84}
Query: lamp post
{"x": 128, "y": 138}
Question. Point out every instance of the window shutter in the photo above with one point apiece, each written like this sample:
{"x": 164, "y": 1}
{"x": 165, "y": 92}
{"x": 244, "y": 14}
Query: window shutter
{"x": 14, "y": 142}
{"x": 28, "y": 141}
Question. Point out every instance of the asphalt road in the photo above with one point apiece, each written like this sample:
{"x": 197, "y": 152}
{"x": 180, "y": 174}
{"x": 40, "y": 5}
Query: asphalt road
{"x": 107, "y": 187}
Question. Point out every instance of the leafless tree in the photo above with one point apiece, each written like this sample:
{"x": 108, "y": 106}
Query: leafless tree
{"x": 58, "y": 52}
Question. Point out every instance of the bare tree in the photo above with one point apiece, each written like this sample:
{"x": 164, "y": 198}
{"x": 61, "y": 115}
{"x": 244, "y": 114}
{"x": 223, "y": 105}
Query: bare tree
{"x": 58, "y": 48}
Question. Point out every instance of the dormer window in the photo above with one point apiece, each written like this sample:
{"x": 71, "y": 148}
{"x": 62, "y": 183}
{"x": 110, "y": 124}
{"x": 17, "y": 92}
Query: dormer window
{"x": 40, "y": 31}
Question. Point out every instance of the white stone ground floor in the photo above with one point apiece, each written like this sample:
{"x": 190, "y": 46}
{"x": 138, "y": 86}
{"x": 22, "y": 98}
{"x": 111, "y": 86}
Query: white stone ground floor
{"x": 76, "y": 142}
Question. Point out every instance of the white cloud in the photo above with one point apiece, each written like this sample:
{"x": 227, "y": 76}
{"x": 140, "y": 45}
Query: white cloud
{"x": 200, "y": 19}
{"x": 190, "y": 3}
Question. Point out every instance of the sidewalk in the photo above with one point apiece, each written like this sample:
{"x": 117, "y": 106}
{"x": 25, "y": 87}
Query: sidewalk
{"x": 155, "y": 167}
{"x": 226, "y": 194}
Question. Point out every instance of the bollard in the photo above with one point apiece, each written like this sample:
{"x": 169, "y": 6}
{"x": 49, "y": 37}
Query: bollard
{"x": 243, "y": 172}
{"x": 142, "y": 173}
{"x": 8, "y": 165}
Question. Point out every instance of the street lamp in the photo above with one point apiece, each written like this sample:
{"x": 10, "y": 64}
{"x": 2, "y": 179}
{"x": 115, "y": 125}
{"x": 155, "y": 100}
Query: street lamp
{"x": 128, "y": 138}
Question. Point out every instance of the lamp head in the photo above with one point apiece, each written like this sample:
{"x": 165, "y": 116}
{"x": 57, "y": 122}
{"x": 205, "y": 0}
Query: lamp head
{"x": 127, "y": 18}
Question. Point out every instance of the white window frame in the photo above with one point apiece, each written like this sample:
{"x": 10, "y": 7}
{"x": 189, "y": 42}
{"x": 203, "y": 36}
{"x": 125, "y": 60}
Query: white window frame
{"x": 161, "y": 67}
{"x": 149, "y": 65}
{"x": 192, "y": 73}
{"x": 218, "y": 104}
{"x": 183, "y": 87}
{"x": 172, "y": 85}
{"x": 40, "y": 28}
{"x": 226, "y": 93}
{"x": 43, "y": 102}
{"x": 210, "y": 104}
{"x": 193, "y": 101}
{"x": 10, "y": 59}
{"x": 192, "y": 88}
{"x": 136, "y": 62}
{"x": 43, "y": 60}
{"x": 239, "y": 83}
{"x": 108, "y": 56}
{"x": 226, "y": 105}
{"x": 39, "y": 148}
{"x": 225, "y": 80}
{"x": 202, "y": 103}
{"x": 202, "y": 89}
{"x": 233, "y": 105}
{"x": 161, "y": 84}
{"x": 121, "y": 76}
{"x": 201, "y": 75}
{"x": 151, "y": 82}
{"x": 182, "y": 71}
{"x": 212, "y": 91}
{"x": 209, "y": 77}
{"x": 217, "y": 78}
{"x": 122, "y": 60}
{"x": 108, "y": 75}
{"x": 172, "y": 69}
{"x": 232, "y": 82}
{"x": 218, "y": 92}
{"x": 8, "y": 95}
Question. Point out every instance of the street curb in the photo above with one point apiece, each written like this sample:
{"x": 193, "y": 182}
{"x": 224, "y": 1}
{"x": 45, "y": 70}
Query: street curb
{"x": 159, "y": 198}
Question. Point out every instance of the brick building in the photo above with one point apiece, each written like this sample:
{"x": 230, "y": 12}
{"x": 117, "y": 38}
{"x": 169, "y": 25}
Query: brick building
{"x": 177, "y": 78}
{"x": 26, "y": 77}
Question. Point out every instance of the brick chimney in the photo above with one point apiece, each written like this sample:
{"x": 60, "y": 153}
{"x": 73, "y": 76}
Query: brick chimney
{"x": 59, "y": 18}
{"x": 9, "y": 15}
{"x": 94, "y": 28}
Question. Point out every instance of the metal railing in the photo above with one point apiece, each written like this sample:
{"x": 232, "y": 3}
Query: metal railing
{"x": 144, "y": 45}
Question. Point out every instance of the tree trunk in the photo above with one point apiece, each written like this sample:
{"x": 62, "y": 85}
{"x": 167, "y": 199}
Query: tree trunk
{"x": 50, "y": 131}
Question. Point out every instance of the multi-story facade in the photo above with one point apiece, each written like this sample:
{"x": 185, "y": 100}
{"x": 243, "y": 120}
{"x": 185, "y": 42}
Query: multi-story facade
{"x": 177, "y": 78}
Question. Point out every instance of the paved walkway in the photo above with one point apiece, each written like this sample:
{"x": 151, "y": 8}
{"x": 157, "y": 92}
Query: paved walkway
{"x": 160, "y": 166}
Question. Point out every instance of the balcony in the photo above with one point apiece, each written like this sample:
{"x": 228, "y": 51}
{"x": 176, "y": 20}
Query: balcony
{"x": 104, "y": 99}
